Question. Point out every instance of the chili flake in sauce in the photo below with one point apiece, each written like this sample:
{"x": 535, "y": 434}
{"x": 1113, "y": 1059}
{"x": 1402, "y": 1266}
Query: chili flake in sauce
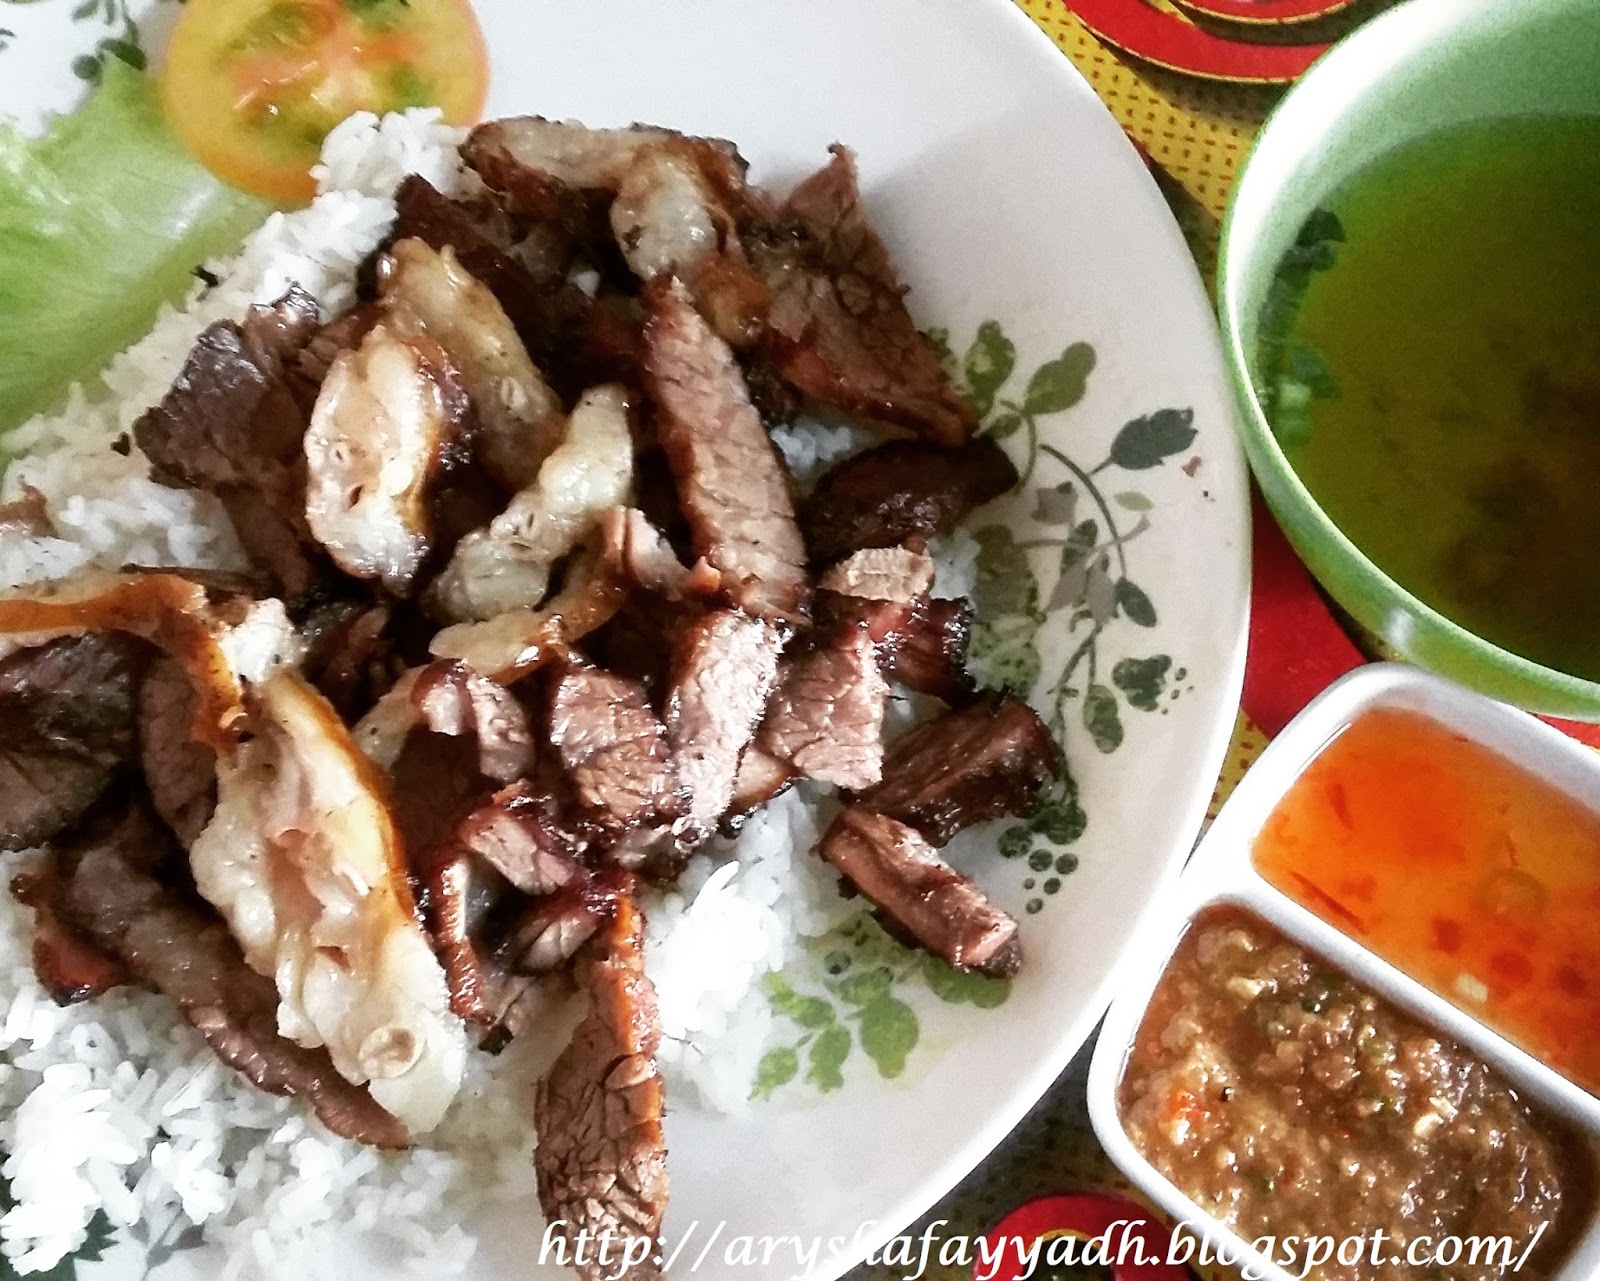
{"x": 1462, "y": 869}
{"x": 1284, "y": 1099}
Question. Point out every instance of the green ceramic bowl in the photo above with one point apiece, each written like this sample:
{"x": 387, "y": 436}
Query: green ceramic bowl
{"x": 1411, "y": 71}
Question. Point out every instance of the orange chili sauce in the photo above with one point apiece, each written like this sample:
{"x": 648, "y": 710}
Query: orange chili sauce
{"x": 1463, "y": 870}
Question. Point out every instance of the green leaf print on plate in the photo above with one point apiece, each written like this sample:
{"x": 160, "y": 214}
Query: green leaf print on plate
{"x": 100, "y": 1236}
{"x": 1083, "y": 535}
{"x": 1095, "y": 582}
{"x": 860, "y": 978}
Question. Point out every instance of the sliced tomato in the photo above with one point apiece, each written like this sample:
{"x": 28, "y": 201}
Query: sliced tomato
{"x": 253, "y": 86}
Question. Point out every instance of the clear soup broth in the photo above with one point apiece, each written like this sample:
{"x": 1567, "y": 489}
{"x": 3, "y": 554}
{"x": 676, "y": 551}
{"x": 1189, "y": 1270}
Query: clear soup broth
{"x": 1431, "y": 366}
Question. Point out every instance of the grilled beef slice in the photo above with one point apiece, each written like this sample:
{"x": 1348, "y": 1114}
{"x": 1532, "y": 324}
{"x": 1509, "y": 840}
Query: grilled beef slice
{"x": 466, "y": 832}
{"x": 232, "y": 424}
{"x": 614, "y": 747}
{"x": 68, "y": 713}
{"x": 69, "y": 965}
{"x": 601, "y": 1163}
{"x": 921, "y": 644}
{"x": 921, "y": 639}
{"x": 118, "y": 894}
{"x": 928, "y": 651}
{"x": 991, "y": 758}
{"x": 180, "y": 771}
{"x": 826, "y": 715}
{"x": 664, "y": 597}
{"x": 548, "y": 932}
{"x": 521, "y": 832}
{"x": 458, "y": 894}
{"x": 352, "y": 652}
{"x": 838, "y": 329}
{"x": 732, "y": 485}
{"x": 723, "y": 669}
{"x": 904, "y": 491}
{"x": 761, "y": 778}
{"x": 881, "y": 573}
{"x": 900, "y": 873}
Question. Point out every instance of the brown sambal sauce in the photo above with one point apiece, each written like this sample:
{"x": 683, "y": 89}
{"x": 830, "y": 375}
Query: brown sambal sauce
{"x": 1285, "y": 1099}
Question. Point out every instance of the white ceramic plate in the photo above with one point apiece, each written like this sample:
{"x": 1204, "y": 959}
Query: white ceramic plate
{"x": 1008, "y": 194}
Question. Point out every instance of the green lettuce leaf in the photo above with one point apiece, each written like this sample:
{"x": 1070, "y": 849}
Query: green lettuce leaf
{"x": 101, "y": 221}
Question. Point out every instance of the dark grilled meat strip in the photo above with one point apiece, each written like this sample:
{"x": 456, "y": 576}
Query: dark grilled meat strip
{"x": 470, "y": 737}
{"x": 548, "y": 933}
{"x": 180, "y": 771}
{"x": 464, "y": 831}
{"x": 601, "y": 1163}
{"x": 232, "y": 424}
{"x": 352, "y": 655}
{"x": 928, "y": 652}
{"x": 732, "y": 485}
{"x": 648, "y": 561}
{"x": 570, "y": 220}
{"x": 116, "y": 894}
{"x": 343, "y": 333}
{"x": 885, "y": 589}
{"x": 986, "y": 760}
{"x": 921, "y": 644}
{"x": 614, "y": 747}
{"x": 457, "y": 892}
{"x": 903, "y": 876}
{"x": 826, "y": 716}
{"x": 639, "y": 639}
{"x": 70, "y": 966}
{"x": 875, "y": 588}
{"x": 761, "y": 778}
{"x": 453, "y": 699}
{"x": 665, "y": 597}
{"x": 903, "y": 491}
{"x": 424, "y": 212}
{"x": 521, "y": 833}
{"x": 576, "y": 341}
{"x": 67, "y": 728}
{"x": 838, "y": 329}
{"x": 723, "y": 670}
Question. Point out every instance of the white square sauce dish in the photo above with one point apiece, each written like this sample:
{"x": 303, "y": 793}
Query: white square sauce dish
{"x": 1365, "y": 1013}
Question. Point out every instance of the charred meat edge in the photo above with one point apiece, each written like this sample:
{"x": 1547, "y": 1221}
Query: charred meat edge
{"x": 901, "y": 492}
{"x": 991, "y": 758}
{"x": 899, "y": 872}
{"x": 601, "y": 1163}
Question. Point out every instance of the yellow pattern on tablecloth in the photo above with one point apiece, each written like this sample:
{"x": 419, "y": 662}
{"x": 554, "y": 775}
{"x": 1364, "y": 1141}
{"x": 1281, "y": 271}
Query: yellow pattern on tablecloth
{"x": 1196, "y": 130}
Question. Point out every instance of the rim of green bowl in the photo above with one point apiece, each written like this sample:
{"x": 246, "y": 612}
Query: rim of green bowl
{"x": 1261, "y": 444}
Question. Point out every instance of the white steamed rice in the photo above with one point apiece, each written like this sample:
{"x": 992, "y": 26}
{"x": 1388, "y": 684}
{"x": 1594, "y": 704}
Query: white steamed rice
{"x": 115, "y": 1105}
